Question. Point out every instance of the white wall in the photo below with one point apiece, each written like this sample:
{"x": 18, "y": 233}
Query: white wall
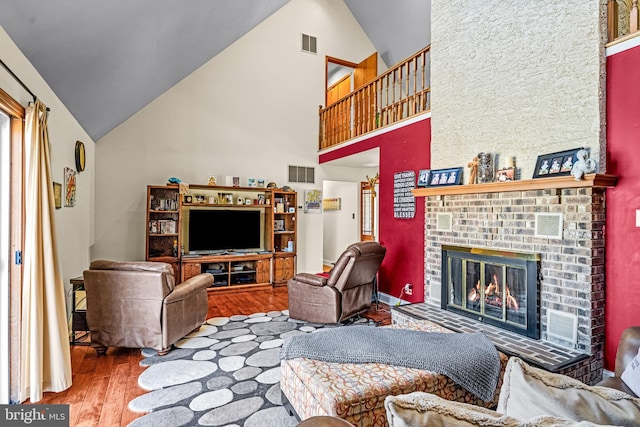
{"x": 341, "y": 227}
{"x": 251, "y": 111}
{"x": 74, "y": 225}
{"x": 516, "y": 78}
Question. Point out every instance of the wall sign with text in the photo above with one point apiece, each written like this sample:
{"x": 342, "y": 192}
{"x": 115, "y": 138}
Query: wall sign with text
{"x": 404, "y": 204}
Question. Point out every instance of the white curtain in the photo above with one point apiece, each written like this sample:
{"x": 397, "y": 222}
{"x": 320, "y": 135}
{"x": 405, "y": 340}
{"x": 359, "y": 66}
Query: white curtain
{"x": 45, "y": 359}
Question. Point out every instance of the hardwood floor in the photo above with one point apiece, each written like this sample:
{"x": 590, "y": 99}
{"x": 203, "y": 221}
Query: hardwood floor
{"x": 103, "y": 386}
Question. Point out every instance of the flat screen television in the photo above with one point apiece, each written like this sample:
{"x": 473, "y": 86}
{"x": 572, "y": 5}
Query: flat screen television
{"x": 212, "y": 231}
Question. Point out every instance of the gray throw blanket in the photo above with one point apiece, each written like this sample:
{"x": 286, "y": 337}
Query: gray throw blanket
{"x": 470, "y": 360}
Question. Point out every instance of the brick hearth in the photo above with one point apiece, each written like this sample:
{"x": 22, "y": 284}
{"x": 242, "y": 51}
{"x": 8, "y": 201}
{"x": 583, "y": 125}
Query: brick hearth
{"x": 502, "y": 216}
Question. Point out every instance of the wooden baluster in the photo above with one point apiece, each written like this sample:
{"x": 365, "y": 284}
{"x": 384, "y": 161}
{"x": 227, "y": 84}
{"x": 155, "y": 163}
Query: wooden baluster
{"x": 379, "y": 104}
{"x": 355, "y": 117}
{"x": 387, "y": 103}
{"x": 612, "y": 19}
{"x": 346, "y": 119}
{"x": 406, "y": 85}
{"x": 633, "y": 22}
{"x": 320, "y": 128}
{"x": 373, "y": 90}
{"x": 394, "y": 89}
{"x": 425, "y": 85}
{"x": 343, "y": 124}
{"x": 340, "y": 119}
{"x": 414, "y": 106}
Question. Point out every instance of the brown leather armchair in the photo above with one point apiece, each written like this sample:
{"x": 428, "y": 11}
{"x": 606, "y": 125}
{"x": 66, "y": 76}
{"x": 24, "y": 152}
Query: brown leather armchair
{"x": 627, "y": 350}
{"x": 138, "y": 304}
{"x": 344, "y": 293}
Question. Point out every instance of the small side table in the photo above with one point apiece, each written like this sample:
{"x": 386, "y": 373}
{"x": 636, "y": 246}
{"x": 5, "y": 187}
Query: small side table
{"x": 78, "y": 316}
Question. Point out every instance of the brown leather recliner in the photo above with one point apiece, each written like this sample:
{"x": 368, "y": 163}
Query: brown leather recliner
{"x": 627, "y": 350}
{"x": 138, "y": 304}
{"x": 344, "y": 293}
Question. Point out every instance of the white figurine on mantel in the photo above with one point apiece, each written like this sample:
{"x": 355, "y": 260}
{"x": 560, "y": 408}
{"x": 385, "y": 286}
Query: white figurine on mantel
{"x": 583, "y": 165}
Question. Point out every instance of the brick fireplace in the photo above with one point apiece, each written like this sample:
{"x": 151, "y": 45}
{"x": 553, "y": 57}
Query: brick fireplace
{"x": 558, "y": 220}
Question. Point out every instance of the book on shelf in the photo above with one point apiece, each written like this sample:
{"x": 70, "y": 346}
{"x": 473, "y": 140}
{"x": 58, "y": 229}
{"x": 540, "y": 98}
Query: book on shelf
{"x": 162, "y": 226}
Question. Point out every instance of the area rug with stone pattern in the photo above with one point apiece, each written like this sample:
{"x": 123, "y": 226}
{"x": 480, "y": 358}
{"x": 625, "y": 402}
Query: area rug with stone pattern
{"x": 225, "y": 374}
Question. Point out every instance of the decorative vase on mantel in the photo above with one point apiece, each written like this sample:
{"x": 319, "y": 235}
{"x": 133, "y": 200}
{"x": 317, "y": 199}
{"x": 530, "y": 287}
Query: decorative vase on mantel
{"x": 485, "y": 167}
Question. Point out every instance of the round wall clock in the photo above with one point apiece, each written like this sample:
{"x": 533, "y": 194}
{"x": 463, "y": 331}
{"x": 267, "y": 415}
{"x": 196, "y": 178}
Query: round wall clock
{"x": 80, "y": 156}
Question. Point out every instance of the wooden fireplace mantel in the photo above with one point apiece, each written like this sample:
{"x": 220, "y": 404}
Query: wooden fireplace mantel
{"x": 589, "y": 180}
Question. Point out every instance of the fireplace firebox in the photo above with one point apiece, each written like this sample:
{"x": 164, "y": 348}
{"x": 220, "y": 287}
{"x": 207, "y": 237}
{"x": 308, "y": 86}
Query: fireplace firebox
{"x": 495, "y": 287}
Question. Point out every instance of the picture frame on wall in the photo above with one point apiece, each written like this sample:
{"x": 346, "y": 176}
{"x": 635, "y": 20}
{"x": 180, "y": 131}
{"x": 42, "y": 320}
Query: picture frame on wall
{"x": 57, "y": 194}
{"x": 555, "y": 164}
{"x": 69, "y": 187}
{"x": 444, "y": 177}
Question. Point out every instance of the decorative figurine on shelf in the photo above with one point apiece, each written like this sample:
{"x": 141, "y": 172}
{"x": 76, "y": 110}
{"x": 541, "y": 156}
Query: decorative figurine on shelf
{"x": 583, "y": 165}
{"x": 473, "y": 169}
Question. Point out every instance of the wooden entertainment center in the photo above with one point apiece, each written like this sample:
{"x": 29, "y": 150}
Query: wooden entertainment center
{"x": 273, "y": 211}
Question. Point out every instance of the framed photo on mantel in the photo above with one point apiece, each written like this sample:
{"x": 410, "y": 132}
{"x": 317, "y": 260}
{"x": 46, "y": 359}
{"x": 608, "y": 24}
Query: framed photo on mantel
{"x": 555, "y": 164}
{"x": 441, "y": 177}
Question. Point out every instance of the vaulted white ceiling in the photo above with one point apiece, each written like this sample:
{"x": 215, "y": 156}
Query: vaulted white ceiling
{"x": 108, "y": 59}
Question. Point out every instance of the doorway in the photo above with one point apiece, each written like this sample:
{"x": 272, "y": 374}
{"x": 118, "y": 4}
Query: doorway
{"x": 347, "y": 117}
{"x": 369, "y": 209}
{"x": 343, "y": 77}
{"x": 11, "y": 219}
{"x": 4, "y": 256}
{"x": 340, "y": 224}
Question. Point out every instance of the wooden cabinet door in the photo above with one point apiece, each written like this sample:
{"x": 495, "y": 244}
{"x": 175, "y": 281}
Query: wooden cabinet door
{"x": 176, "y": 271}
{"x": 263, "y": 271}
{"x": 190, "y": 269}
{"x": 284, "y": 269}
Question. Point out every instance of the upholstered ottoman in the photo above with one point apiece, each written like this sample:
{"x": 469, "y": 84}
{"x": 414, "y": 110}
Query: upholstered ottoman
{"x": 356, "y": 392}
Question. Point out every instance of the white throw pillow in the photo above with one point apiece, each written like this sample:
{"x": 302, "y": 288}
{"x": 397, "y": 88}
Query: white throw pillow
{"x": 631, "y": 374}
{"x": 528, "y": 392}
{"x": 420, "y": 409}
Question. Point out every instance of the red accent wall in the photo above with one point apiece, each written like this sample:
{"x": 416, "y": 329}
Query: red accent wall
{"x": 622, "y": 240}
{"x": 406, "y": 148}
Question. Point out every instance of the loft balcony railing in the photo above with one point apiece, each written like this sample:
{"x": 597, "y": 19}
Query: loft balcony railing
{"x": 622, "y": 19}
{"x": 401, "y": 92}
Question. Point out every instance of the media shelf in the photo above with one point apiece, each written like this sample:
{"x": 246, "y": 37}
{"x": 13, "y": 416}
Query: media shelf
{"x": 201, "y": 214}
{"x": 163, "y": 225}
{"x": 231, "y": 271}
{"x": 285, "y": 228}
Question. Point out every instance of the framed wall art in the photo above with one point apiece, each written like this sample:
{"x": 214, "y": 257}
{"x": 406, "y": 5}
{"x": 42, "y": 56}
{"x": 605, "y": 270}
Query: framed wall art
{"x": 555, "y": 164}
{"x": 57, "y": 194}
{"x": 440, "y": 177}
{"x": 69, "y": 187}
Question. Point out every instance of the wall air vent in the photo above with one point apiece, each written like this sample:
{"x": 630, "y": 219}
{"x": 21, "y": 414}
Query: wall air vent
{"x": 309, "y": 44}
{"x": 548, "y": 225}
{"x": 302, "y": 174}
{"x": 562, "y": 325}
{"x": 444, "y": 222}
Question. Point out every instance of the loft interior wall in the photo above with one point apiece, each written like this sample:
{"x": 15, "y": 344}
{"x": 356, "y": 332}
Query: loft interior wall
{"x": 74, "y": 225}
{"x": 502, "y": 85}
{"x": 237, "y": 115}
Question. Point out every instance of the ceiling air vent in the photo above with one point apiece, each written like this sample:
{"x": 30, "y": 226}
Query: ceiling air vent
{"x": 548, "y": 225}
{"x": 309, "y": 44}
{"x": 302, "y": 174}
